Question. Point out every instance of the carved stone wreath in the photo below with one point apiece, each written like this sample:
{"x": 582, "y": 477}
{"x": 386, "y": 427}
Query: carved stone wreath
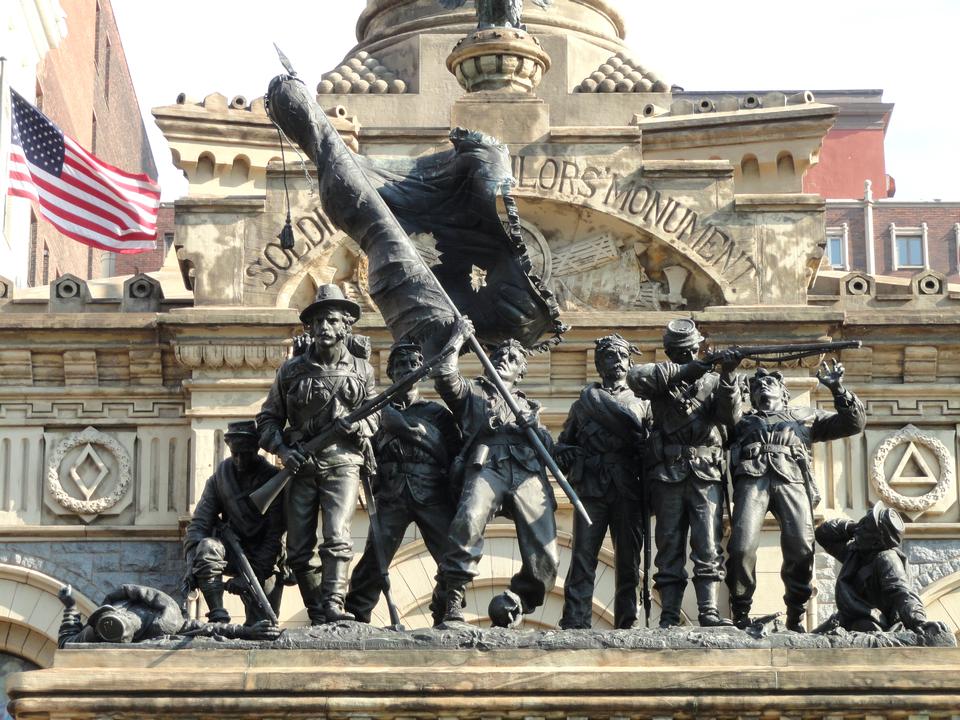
{"x": 90, "y": 436}
{"x": 903, "y": 502}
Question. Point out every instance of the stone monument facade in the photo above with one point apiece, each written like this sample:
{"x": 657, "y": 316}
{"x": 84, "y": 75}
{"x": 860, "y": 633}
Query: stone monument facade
{"x": 115, "y": 396}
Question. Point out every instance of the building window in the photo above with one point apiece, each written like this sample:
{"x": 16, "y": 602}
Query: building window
{"x": 167, "y": 242}
{"x": 836, "y": 250}
{"x": 909, "y": 247}
{"x": 98, "y": 17}
{"x": 106, "y": 72}
{"x": 93, "y": 133}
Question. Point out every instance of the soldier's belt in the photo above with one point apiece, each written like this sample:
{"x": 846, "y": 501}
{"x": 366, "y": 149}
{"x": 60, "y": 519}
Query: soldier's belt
{"x": 421, "y": 469}
{"x": 755, "y": 449}
{"x": 690, "y": 452}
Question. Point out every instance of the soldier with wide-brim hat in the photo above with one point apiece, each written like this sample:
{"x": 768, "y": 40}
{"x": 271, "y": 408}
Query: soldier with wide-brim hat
{"x": 313, "y": 392}
{"x": 331, "y": 296}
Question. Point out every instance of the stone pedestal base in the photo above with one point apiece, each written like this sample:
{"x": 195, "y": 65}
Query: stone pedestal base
{"x": 129, "y": 682}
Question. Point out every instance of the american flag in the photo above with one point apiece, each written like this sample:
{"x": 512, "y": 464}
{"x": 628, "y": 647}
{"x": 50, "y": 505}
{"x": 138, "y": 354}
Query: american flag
{"x": 80, "y": 195}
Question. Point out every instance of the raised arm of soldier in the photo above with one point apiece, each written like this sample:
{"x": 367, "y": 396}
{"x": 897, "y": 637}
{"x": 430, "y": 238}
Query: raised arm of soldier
{"x": 850, "y": 417}
{"x": 453, "y": 388}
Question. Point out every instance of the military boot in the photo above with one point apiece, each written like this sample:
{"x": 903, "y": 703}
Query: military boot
{"x": 453, "y": 604}
{"x": 709, "y": 616}
{"x": 310, "y": 591}
{"x": 795, "y": 617}
{"x": 741, "y": 617}
{"x": 671, "y": 597}
{"x": 212, "y": 591}
{"x": 334, "y": 590}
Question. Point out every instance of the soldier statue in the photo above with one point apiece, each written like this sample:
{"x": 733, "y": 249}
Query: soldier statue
{"x": 135, "y": 613}
{"x": 414, "y": 447}
{"x": 601, "y": 443}
{"x": 312, "y": 392}
{"x": 502, "y": 472}
{"x": 770, "y": 457}
{"x": 693, "y": 409}
{"x": 223, "y": 502}
{"x": 874, "y": 590}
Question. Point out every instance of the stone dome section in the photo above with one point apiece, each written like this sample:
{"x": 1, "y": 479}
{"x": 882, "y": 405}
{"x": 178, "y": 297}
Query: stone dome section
{"x": 621, "y": 74}
{"x": 384, "y": 22}
{"x": 359, "y": 74}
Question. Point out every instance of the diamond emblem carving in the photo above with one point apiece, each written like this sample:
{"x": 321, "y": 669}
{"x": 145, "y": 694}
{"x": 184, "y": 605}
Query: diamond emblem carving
{"x": 88, "y": 471}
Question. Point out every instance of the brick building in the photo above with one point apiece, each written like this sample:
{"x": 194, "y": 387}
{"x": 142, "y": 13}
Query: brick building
{"x": 83, "y": 85}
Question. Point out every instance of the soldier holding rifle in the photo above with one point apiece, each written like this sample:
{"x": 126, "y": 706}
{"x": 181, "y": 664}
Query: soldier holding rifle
{"x": 312, "y": 393}
{"x": 414, "y": 446}
{"x": 602, "y": 442}
{"x": 222, "y": 503}
{"x": 770, "y": 456}
{"x": 693, "y": 409}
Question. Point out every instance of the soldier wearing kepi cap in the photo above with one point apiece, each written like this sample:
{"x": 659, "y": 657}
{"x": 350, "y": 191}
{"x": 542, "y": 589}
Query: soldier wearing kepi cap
{"x": 693, "y": 409}
{"x": 874, "y": 589}
{"x": 414, "y": 447}
{"x": 224, "y": 502}
{"x": 312, "y": 392}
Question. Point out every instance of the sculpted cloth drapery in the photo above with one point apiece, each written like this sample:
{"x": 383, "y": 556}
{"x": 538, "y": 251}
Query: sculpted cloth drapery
{"x": 451, "y": 195}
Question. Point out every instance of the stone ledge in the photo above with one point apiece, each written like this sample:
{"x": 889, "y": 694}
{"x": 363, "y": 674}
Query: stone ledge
{"x": 189, "y": 683}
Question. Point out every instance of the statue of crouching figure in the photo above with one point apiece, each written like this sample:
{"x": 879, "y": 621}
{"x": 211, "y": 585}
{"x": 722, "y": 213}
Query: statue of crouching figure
{"x": 135, "y": 613}
{"x": 874, "y": 592}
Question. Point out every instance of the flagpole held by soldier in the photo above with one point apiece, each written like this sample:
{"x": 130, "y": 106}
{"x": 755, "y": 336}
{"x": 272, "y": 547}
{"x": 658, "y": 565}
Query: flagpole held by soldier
{"x": 415, "y": 305}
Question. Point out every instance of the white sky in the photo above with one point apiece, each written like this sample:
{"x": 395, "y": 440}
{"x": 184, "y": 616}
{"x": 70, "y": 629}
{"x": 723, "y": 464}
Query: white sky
{"x": 906, "y": 49}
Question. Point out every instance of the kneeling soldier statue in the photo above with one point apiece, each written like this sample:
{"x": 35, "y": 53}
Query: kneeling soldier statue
{"x": 874, "y": 590}
{"x": 223, "y": 504}
{"x": 770, "y": 456}
{"x": 414, "y": 446}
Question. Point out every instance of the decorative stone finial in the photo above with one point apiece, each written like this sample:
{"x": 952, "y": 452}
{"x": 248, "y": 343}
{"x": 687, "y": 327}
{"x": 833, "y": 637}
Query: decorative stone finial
{"x": 507, "y": 60}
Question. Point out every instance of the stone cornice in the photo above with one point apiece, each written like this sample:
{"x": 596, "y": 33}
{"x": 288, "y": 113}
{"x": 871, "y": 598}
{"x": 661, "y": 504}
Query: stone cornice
{"x": 812, "y": 120}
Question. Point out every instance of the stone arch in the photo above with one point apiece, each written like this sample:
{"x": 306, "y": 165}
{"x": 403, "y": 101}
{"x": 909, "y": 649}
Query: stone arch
{"x": 750, "y": 167}
{"x": 239, "y": 172}
{"x": 206, "y": 167}
{"x": 942, "y": 600}
{"x": 786, "y": 169}
{"x": 30, "y": 613}
{"x": 413, "y": 570}
{"x": 339, "y": 260}
{"x": 335, "y": 257}
{"x": 639, "y": 248}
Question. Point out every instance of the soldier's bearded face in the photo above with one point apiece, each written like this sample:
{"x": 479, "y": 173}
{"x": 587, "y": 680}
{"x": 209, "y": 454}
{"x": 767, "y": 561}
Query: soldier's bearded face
{"x": 404, "y": 364}
{"x": 613, "y": 363}
{"x": 328, "y": 327}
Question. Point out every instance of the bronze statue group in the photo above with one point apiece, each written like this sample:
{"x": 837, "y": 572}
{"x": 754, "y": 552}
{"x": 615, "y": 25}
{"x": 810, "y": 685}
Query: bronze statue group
{"x": 657, "y": 441}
